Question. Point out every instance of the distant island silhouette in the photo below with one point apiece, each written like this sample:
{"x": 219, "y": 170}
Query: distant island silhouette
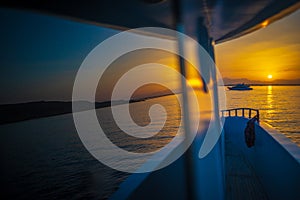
{"x": 231, "y": 81}
{"x": 10, "y": 113}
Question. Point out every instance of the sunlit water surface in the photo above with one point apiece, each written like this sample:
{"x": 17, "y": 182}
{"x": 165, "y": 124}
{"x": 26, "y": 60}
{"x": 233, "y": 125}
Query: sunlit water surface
{"x": 279, "y": 106}
{"x": 45, "y": 159}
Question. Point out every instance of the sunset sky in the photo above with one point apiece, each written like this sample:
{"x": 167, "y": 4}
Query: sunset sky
{"x": 274, "y": 50}
{"x": 41, "y": 54}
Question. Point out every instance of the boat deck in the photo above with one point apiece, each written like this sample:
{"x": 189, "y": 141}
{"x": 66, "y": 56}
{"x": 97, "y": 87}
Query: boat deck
{"x": 241, "y": 180}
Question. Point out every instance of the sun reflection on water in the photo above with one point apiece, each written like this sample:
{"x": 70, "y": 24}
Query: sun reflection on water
{"x": 270, "y": 100}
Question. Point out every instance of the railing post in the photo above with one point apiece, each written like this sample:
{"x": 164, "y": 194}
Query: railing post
{"x": 229, "y": 112}
{"x": 236, "y": 112}
{"x": 249, "y": 113}
{"x": 243, "y": 112}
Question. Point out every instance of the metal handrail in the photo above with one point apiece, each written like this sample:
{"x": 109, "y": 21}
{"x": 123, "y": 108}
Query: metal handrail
{"x": 235, "y": 110}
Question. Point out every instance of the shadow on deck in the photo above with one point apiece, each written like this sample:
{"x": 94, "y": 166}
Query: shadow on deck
{"x": 241, "y": 180}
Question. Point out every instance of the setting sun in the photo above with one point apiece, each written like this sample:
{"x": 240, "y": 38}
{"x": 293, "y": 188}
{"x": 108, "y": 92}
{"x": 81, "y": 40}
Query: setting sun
{"x": 270, "y": 76}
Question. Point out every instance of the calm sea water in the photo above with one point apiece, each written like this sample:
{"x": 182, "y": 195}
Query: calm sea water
{"x": 45, "y": 159}
{"x": 279, "y": 106}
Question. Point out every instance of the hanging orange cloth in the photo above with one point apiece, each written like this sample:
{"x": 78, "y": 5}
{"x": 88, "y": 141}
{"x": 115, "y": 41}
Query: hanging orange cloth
{"x": 250, "y": 132}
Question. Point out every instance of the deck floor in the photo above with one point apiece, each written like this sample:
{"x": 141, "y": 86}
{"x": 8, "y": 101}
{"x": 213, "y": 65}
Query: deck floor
{"x": 241, "y": 180}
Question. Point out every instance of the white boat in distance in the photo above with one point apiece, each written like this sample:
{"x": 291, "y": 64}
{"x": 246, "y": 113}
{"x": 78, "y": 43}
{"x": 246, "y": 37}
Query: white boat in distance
{"x": 241, "y": 86}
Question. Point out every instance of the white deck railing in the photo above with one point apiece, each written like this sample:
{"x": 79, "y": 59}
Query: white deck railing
{"x": 241, "y": 112}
